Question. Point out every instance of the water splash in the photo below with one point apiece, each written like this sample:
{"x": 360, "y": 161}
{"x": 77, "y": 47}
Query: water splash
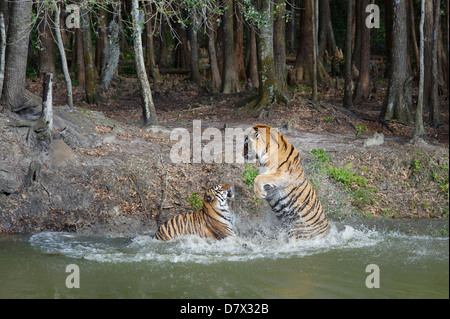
{"x": 254, "y": 240}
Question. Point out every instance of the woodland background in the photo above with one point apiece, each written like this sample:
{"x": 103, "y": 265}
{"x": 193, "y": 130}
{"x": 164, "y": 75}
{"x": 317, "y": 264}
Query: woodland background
{"x": 312, "y": 68}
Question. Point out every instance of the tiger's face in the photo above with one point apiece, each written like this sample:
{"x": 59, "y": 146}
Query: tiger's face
{"x": 256, "y": 143}
{"x": 219, "y": 194}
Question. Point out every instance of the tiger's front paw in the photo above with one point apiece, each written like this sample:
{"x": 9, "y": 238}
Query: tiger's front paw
{"x": 260, "y": 192}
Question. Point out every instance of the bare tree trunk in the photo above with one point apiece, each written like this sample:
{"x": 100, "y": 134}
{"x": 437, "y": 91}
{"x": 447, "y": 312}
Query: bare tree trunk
{"x": 279, "y": 46}
{"x": 193, "y": 29}
{"x": 148, "y": 107}
{"x": 238, "y": 28}
{"x": 150, "y": 49}
{"x": 314, "y": 57}
{"x": 362, "y": 90}
{"x": 419, "y": 131}
{"x": 47, "y": 102}
{"x": 398, "y": 101}
{"x": 230, "y": 81}
{"x": 435, "y": 114}
{"x": 81, "y": 71}
{"x": 348, "y": 58}
{"x": 63, "y": 57}
{"x": 101, "y": 42}
{"x": 413, "y": 33}
{"x": 2, "y": 51}
{"x": 15, "y": 97}
{"x": 46, "y": 52}
{"x": 253, "y": 62}
{"x": 326, "y": 34}
{"x": 215, "y": 74}
{"x": 92, "y": 96}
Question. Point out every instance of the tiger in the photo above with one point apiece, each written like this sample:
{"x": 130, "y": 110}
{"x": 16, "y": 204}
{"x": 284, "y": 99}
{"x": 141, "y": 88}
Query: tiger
{"x": 282, "y": 182}
{"x": 213, "y": 221}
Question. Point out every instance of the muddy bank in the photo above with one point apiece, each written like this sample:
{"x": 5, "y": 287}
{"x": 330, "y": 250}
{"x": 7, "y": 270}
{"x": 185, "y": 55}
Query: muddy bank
{"x": 102, "y": 176}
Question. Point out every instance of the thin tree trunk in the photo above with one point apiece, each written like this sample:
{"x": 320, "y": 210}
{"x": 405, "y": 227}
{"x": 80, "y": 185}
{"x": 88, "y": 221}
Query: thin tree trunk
{"x": 348, "y": 57}
{"x": 279, "y": 46}
{"x": 230, "y": 81}
{"x": 362, "y": 90}
{"x": 81, "y": 71}
{"x": 314, "y": 35}
{"x": 419, "y": 131}
{"x": 46, "y": 52}
{"x": 435, "y": 114}
{"x": 238, "y": 28}
{"x": 215, "y": 74}
{"x": 92, "y": 96}
{"x": 253, "y": 62}
{"x": 63, "y": 56}
{"x": 195, "y": 73}
{"x": 413, "y": 33}
{"x": 148, "y": 107}
{"x": 2, "y": 51}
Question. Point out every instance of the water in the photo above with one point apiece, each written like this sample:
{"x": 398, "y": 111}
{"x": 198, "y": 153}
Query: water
{"x": 259, "y": 263}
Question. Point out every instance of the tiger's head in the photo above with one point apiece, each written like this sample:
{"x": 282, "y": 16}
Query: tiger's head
{"x": 261, "y": 144}
{"x": 218, "y": 196}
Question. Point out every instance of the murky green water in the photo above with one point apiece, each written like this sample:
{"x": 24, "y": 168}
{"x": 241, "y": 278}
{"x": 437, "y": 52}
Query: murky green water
{"x": 259, "y": 264}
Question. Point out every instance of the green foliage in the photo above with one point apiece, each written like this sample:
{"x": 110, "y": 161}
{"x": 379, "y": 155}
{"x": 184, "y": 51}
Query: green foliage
{"x": 360, "y": 129}
{"x": 195, "y": 201}
{"x": 249, "y": 175}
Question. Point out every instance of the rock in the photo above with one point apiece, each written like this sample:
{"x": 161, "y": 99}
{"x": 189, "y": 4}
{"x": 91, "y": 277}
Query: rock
{"x": 376, "y": 139}
{"x": 9, "y": 181}
{"x": 61, "y": 154}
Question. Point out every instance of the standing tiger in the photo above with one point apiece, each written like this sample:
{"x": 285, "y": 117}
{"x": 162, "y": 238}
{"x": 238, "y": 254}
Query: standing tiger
{"x": 283, "y": 184}
{"x": 214, "y": 221}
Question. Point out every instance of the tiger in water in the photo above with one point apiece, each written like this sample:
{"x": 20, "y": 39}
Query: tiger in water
{"x": 283, "y": 184}
{"x": 214, "y": 221}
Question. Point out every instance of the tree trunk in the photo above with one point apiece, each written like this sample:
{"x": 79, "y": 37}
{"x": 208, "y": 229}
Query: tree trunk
{"x": 46, "y": 52}
{"x": 304, "y": 60}
{"x": 279, "y": 46}
{"x": 193, "y": 29}
{"x": 347, "y": 103}
{"x": 314, "y": 57}
{"x": 419, "y": 131}
{"x": 397, "y": 104}
{"x": 101, "y": 41}
{"x": 238, "y": 28}
{"x": 15, "y": 97}
{"x": 268, "y": 86}
{"x": 435, "y": 114}
{"x": 413, "y": 33}
{"x": 327, "y": 41}
{"x": 81, "y": 71}
{"x": 92, "y": 96}
{"x": 215, "y": 74}
{"x": 148, "y": 107}
{"x": 2, "y": 51}
{"x": 63, "y": 56}
{"x": 362, "y": 90}
{"x": 150, "y": 49}
{"x": 230, "y": 80}
{"x": 253, "y": 61}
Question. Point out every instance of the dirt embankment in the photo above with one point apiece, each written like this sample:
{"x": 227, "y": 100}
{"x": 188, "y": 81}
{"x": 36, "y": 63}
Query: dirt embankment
{"x": 102, "y": 176}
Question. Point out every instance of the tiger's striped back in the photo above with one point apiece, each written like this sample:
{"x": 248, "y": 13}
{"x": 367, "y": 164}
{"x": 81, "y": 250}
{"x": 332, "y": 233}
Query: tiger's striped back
{"x": 214, "y": 221}
{"x": 283, "y": 184}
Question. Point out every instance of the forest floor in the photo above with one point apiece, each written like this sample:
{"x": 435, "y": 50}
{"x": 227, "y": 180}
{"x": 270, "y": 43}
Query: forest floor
{"x": 117, "y": 176}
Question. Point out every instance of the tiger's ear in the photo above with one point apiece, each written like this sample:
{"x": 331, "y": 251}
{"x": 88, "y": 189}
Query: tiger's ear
{"x": 209, "y": 198}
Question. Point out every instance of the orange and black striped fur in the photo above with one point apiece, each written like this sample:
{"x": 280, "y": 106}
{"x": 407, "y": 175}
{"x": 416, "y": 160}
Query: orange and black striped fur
{"x": 214, "y": 221}
{"x": 283, "y": 184}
